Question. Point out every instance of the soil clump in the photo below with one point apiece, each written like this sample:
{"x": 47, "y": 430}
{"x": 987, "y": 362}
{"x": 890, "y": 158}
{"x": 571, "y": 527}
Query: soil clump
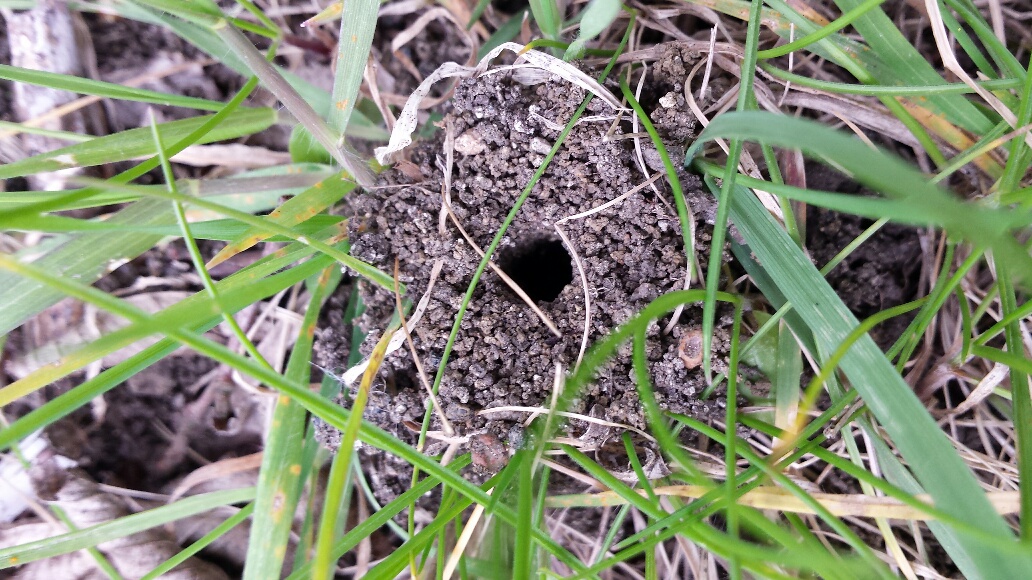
{"x": 881, "y": 273}
{"x": 626, "y": 255}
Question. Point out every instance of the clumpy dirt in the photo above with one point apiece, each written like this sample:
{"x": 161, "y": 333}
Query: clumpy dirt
{"x": 883, "y": 272}
{"x": 437, "y": 43}
{"x": 504, "y": 355}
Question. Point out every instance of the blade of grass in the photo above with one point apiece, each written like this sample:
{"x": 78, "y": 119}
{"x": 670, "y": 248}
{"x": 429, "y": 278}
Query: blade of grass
{"x": 137, "y": 142}
{"x": 89, "y": 256}
{"x": 120, "y": 528}
{"x": 280, "y": 478}
{"x": 787, "y": 382}
{"x": 325, "y": 409}
{"x": 1022, "y": 403}
{"x": 361, "y": 268}
{"x": 913, "y": 209}
{"x": 595, "y": 19}
{"x": 64, "y": 404}
{"x": 355, "y": 40}
{"x": 323, "y": 563}
{"x": 929, "y": 455}
{"x": 745, "y": 102}
{"x": 547, "y": 16}
{"x": 202, "y": 543}
{"x": 523, "y": 550}
{"x": 203, "y": 38}
{"x": 880, "y": 171}
{"x": 253, "y": 190}
{"x": 293, "y": 101}
{"x": 195, "y": 252}
{"x": 887, "y": 90}
{"x": 382, "y": 516}
{"x": 292, "y": 212}
{"x": 104, "y": 89}
{"x": 173, "y": 321}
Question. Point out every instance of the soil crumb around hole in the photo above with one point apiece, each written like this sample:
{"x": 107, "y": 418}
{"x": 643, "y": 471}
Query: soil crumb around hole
{"x": 504, "y": 360}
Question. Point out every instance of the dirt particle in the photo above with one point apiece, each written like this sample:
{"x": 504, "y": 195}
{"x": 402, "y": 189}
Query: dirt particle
{"x": 488, "y": 452}
{"x": 469, "y": 143}
{"x": 690, "y": 349}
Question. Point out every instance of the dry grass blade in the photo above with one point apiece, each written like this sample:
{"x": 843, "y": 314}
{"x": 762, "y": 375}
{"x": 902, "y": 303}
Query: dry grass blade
{"x": 448, "y": 430}
{"x": 767, "y": 498}
{"x": 463, "y": 541}
{"x": 401, "y": 137}
{"x": 949, "y": 59}
{"x": 217, "y": 470}
{"x": 398, "y": 337}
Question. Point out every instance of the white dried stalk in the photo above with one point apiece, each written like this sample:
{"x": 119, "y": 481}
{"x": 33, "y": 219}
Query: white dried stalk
{"x": 578, "y": 416}
{"x": 587, "y": 295}
{"x": 949, "y": 60}
{"x": 401, "y": 137}
{"x": 352, "y": 374}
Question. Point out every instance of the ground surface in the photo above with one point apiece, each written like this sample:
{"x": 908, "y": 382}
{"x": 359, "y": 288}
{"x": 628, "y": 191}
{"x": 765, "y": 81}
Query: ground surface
{"x": 504, "y": 355}
{"x": 185, "y": 411}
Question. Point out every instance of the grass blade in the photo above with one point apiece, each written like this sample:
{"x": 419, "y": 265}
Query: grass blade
{"x": 930, "y": 456}
{"x": 139, "y": 143}
{"x": 120, "y": 528}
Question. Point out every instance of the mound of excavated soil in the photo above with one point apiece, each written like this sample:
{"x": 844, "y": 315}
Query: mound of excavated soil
{"x": 631, "y": 253}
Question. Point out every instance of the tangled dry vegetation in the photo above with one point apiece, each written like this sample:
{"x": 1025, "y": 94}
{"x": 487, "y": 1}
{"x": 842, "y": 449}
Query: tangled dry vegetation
{"x": 697, "y": 289}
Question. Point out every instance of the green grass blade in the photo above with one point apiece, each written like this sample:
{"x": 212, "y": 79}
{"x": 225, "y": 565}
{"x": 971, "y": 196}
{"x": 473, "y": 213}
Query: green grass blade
{"x": 1022, "y": 405}
{"x": 523, "y": 549}
{"x": 292, "y": 212}
{"x": 120, "y": 528}
{"x": 191, "y": 550}
{"x": 361, "y": 268}
{"x": 340, "y": 472}
{"x": 204, "y": 39}
{"x": 103, "y": 89}
{"x": 905, "y": 65}
{"x": 302, "y": 110}
{"x": 838, "y": 24}
{"x": 226, "y": 230}
{"x": 746, "y": 101}
{"x": 325, "y": 409}
{"x": 356, "y": 38}
{"x": 65, "y": 404}
{"x": 595, "y": 19}
{"x": 383, "y": 516}
{"x": 138, "y": 143}
{"x": 174, "y": 321}
{"x": 87, "y": 257}
{"x": 879, "y": 170}
{"x": 929, "y": 455}
{"x": 548, "y": 17}
{"x": 888, "y": 90}
{"x": 280, "y": 479}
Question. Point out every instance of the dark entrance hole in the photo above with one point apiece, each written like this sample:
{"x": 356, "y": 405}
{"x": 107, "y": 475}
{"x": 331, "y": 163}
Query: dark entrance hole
{"x": 541, "y": 266}
{"x": 510, "y": 6}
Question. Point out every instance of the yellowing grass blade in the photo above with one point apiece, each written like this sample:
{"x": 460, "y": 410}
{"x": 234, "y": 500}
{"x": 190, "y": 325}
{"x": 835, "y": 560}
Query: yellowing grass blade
{"x": 292, "y": 212}
{"x": 329, "y": 14}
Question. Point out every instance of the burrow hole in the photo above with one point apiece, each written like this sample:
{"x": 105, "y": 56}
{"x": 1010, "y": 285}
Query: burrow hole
{"x": 540, "y": 265}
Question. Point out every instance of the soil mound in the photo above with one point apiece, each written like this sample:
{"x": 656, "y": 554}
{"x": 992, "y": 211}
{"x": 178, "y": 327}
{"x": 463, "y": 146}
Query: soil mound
{"x": 624, "y": 255}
